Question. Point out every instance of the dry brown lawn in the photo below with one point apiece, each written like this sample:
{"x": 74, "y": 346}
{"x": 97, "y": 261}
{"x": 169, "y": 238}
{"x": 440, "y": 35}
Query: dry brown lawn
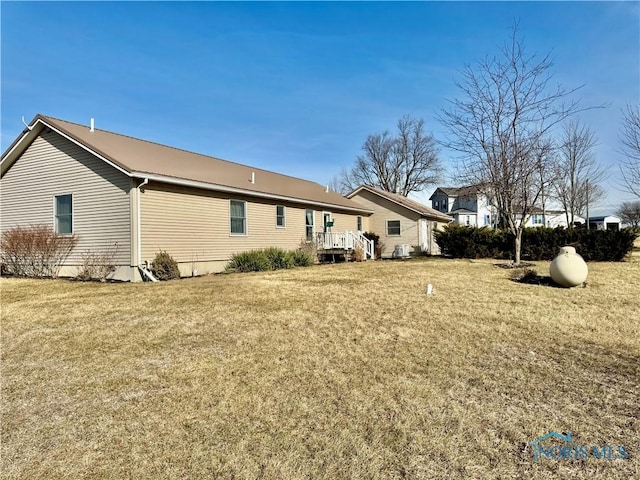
{"x": 333, "y": 372}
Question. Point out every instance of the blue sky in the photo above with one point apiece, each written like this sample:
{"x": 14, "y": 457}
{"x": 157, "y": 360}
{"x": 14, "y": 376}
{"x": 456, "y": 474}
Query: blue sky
{"x": 296, "y": 87}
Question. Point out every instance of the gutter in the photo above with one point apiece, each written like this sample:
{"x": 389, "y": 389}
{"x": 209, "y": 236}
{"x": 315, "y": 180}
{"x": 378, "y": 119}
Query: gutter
{"x": 249, "y": 193}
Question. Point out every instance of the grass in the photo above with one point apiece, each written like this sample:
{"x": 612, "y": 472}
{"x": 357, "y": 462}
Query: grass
{"x": 331, "y": 372}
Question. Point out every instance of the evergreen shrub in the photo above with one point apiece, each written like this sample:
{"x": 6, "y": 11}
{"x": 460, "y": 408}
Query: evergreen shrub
{"x": 538, "y": 243}
{"x": 164, "y": 266}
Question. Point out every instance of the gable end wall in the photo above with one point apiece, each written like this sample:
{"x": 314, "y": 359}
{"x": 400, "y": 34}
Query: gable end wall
{"x": 51, "y": 166}
{"x": 386, "y": 210}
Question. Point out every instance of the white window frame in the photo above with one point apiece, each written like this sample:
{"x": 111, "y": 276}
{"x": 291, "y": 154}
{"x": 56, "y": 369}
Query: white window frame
{"x": 283, "y": 216}
{"x": 359, "y": 223}
{"x": 55, "y": 215}
{"x": 313, "y": 224}
{"x": 245, "y": 224}
{"x": 399, "y": 229}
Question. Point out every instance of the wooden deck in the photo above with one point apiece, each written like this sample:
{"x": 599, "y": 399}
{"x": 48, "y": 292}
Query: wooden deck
{"x": 344, "y": 243}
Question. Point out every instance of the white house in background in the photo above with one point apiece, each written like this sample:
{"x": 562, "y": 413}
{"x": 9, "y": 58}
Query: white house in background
{"x": 466, "y": 205}
{"x": 607, "y": 222}
{"x": 552, "y": 218}
{"x": 472, "y": 207}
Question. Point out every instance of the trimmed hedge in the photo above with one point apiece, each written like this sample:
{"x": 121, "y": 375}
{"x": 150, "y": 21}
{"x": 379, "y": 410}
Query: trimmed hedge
{"x": 537, "y": 243}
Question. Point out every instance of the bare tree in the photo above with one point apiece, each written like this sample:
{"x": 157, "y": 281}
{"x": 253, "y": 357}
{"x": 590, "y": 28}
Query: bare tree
{"x": 404, "y": 163}
{"x": 630, "y": 139}
{"x": 545, "y": 155}
{"x": 576, "y": 172}
{"x": 500, "y": 127}
{"x": 337, "y": 184}
{"x": 629, "y": 213}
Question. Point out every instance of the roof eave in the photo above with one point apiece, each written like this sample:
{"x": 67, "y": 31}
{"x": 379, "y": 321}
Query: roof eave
{"x": 33, "y": 130}
{"x": 10, "y": 155}
{"x": 251, "y": 193}
{"x": 419, "y": 212}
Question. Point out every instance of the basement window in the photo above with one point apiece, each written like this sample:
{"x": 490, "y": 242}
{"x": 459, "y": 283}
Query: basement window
{"x": 64, "y": 214}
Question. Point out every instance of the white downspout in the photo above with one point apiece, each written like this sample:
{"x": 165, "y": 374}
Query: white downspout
{"x": 142, "y": 267}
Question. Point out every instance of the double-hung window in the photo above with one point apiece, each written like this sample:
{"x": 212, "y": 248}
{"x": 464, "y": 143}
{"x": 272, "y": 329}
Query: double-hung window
{"x": 238, "y": 217}
{"x": 309, "y": 224}
{"x": 64, "y": 214}
{"x": 393, "y": 228}
{"x": 280, "y": 218}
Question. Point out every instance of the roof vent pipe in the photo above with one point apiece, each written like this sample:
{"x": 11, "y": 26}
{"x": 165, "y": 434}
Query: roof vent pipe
{"x": 253, "y": 177}
{"x": 327, "y": 189}
{"x": 92, "y": 129}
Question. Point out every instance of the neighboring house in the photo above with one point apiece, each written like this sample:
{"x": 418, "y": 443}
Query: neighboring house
{"x": 552, "y": 218}
{"x": 466, "y": 205}
{"x": 400, "y": 221}
{"x": 607, "y": 222}
{"x": 472, "y": 207}
{"x": 109, "y": 188}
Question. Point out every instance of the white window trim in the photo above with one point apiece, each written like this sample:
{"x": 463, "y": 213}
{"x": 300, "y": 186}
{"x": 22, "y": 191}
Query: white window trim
{"x": 313, "y": 224}
{"x": 73, "y": 215}
{"x": 284, "y": 216}
{"x": 359, "y": 221}
{"x": 399, "y": 225}
{"x": 246, "y": 221}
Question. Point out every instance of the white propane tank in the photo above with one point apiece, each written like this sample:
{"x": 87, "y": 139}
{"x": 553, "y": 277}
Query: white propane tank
{"x": 568, "y": 269}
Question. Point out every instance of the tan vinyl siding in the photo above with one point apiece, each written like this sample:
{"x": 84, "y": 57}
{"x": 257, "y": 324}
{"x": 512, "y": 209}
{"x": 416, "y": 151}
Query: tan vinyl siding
{"x": 52, "y": 165}
{"x": 343, "y": 222}
{"x": 194, "y": 226}
{"x": 385, "y": 210}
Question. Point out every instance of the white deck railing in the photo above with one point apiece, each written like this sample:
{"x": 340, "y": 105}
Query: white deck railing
{"x": 344, "y": 241}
